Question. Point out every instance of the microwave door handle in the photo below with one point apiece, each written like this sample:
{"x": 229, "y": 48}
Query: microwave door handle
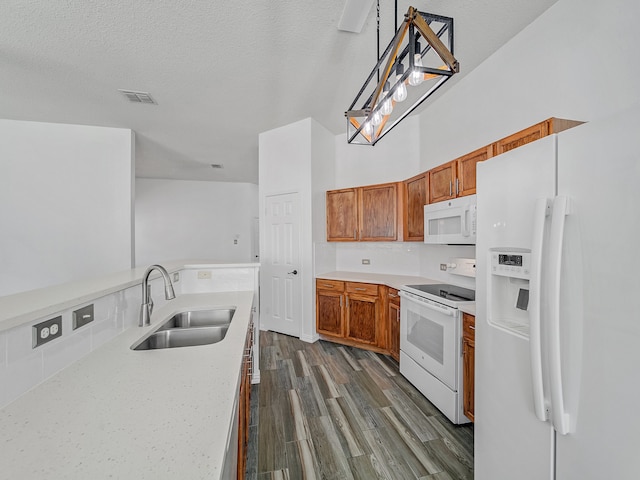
{"x": 541, "y": 212}
{"x": 465, "y": 221}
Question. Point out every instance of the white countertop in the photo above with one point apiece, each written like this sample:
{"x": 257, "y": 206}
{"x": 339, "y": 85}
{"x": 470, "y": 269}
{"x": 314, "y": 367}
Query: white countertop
{"x": 393, "y": 281}
{"x": 27, "y": 306}
{"x": 118, "y": 413}
{"x": 469, "y": 308}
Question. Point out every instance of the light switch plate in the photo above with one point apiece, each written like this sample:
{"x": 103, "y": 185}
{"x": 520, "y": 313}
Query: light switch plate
{"x": 46, "y": 331}
{"x": 82, "y": 316}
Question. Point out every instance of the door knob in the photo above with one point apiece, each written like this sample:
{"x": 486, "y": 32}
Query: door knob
{"x": 295, "y": 272}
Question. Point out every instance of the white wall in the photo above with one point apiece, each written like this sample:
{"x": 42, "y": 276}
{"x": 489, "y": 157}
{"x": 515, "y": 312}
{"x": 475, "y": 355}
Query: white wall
{"x": 65, "y": 203}
{"x": 177, "y": 219}
{"x": 297, "y": 158}
{"x": 578, "y": 60}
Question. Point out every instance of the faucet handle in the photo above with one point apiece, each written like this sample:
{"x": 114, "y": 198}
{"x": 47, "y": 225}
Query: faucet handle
{"x": 149, "y": 299}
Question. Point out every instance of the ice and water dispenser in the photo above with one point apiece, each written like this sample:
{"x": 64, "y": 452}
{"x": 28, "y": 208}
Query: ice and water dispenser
{"x": 509, "y": 290}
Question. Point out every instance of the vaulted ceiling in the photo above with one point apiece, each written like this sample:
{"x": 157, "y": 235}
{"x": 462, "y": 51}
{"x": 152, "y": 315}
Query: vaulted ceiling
{"x": 221, "y": 72}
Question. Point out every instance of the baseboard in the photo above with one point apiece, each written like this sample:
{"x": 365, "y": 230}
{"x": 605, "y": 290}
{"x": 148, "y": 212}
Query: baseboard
{"x": 310, "y": 338}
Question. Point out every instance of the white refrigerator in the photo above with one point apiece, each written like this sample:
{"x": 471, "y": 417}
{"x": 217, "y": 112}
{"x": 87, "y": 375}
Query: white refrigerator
{"x": 558, "y": 318}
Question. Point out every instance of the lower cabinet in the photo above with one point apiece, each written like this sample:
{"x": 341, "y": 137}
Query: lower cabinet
{"x": 393, "y": 315}
{"x": 244, "y": 402}
{"x": 468, "y": 364}
{"x": 352, "y": 313}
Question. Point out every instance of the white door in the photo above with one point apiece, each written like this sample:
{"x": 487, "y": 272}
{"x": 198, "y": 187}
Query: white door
{"x": 599, "y": 171}
{"x": 281, "y": 283}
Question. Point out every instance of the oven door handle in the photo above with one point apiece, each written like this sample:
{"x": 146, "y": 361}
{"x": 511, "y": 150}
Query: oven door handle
{"x": 430, "y": 305}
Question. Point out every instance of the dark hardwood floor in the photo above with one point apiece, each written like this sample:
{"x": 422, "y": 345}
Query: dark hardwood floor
{"x": 327, "y": 411}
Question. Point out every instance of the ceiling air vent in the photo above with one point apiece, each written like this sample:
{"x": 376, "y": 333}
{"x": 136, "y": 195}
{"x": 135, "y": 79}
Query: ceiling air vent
{"x": 138, "y": 97}
{"x": 216, "y": 165}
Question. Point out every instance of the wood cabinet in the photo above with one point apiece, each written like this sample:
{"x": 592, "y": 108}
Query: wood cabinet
{"x": 442, "y": 181}
{"x": 370, "y": 213}
{"x": 342, "y": 215}
{"x": 363, "y": 321}
{"x": 456, "y": 178}
{"x": 416, "y": 196}
{"x": 533, "y": 133}
{"x": 468, "y": 364}
{"x": 379, "y": 212}
{"x": 330, "y": 307}
{"x": 244, "y": 402}
{"x": 393, "y": 314}
{"x": 351, "y": 313}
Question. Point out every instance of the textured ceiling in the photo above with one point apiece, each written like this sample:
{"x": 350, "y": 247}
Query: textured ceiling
{"x": 221, "y": 72}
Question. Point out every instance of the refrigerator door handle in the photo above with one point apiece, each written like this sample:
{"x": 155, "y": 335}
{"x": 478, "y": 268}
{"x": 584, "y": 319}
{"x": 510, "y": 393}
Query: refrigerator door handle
{"x": 560, "y": 418}
{"x": 541, "y": 212}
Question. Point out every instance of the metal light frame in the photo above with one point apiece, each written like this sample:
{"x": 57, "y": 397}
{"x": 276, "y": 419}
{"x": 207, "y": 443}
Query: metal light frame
{"x": 416, "y": 25}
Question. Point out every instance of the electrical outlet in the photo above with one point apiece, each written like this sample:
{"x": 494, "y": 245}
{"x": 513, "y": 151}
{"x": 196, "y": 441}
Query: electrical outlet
{"x": 366, "y": 261}
{"x": 443, "y": 267}
{"x": 46, "y": 331}
{"x": 176, "y": 277}
{"x": 82, "y": 316}
{"x": 204, "y": 275}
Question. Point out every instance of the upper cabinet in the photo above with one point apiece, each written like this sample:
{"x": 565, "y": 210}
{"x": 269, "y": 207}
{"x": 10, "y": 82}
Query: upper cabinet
{"x": 379, "y": 212}
{"x": 395, "y": 211}
{"x": 456, "y": 178}
{"x": 533, "y": 133}
{"x": 368, "y": 213}
{"x": 342, "y": 215}
{"x": 416, "y": 196}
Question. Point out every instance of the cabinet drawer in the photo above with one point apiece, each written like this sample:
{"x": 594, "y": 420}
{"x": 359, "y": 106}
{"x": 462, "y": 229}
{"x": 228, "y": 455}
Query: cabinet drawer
{"x": 335, "y": 285}
{"x": 468, "y": 326}
{"x": 362, "y": 288}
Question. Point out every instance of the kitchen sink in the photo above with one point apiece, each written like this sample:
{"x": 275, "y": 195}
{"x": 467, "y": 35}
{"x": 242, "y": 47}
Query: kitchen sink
{"x": 182, "y": 337}
{"x": 188, "y": 329}
{"x": 200, "y": 318}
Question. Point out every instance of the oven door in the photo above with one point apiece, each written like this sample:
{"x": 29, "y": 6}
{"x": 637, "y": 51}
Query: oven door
{"x": 430, "y": 335}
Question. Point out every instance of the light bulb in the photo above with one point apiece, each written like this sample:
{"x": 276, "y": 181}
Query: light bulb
{"x": 416, "y": 77}
{"x": 376, "y": 118}
{"x": 401, "y": 91}
{"x": 387, "y": 107}
{"x": 367, "y": 128}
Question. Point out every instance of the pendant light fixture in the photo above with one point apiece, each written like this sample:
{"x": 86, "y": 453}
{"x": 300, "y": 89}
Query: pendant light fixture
{"x": 405, "y": 76}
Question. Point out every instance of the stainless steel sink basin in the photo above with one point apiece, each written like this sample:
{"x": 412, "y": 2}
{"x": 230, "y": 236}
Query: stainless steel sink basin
{"x": 200, "y": 318}
{"x": 188, "y": 329}
{"x": 182, "y": 337}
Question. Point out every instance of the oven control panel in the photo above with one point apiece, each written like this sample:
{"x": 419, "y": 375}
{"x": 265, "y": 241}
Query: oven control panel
{"x": 511, "y": 264}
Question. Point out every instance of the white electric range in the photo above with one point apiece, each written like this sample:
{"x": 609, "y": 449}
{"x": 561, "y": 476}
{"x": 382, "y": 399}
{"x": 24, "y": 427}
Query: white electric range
{"x": 430, "y": 343}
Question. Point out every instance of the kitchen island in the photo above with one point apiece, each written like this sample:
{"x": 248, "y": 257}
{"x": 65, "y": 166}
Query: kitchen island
{"x": 119, "y": 413}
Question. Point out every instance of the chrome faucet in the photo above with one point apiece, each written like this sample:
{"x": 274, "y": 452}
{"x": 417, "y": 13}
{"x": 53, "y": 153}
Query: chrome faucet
{"x": 147, "y": 303}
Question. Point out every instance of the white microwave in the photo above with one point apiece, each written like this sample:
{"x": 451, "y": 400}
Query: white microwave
{"x": 452, "y": 222}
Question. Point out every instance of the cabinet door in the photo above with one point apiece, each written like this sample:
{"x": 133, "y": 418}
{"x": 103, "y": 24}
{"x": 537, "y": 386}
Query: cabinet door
{"x": 342, "y": 215}
{"x": 379, "y": 212}
{"x": 394, "y": 327}
{"x": 363, "y": 313}
{"x": 466, "y": 166}
{"x": 416, "y": 196}
{"x": 329, "y": 313}
{"x": 468, "y": 364}
{"x": 442, "y": 182}
{"x": 468, "y": 382}
{"x": 528, "y": 135}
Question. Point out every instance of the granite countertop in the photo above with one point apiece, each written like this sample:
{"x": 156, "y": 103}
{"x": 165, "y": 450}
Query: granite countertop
{"x": 119, "y": 413}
